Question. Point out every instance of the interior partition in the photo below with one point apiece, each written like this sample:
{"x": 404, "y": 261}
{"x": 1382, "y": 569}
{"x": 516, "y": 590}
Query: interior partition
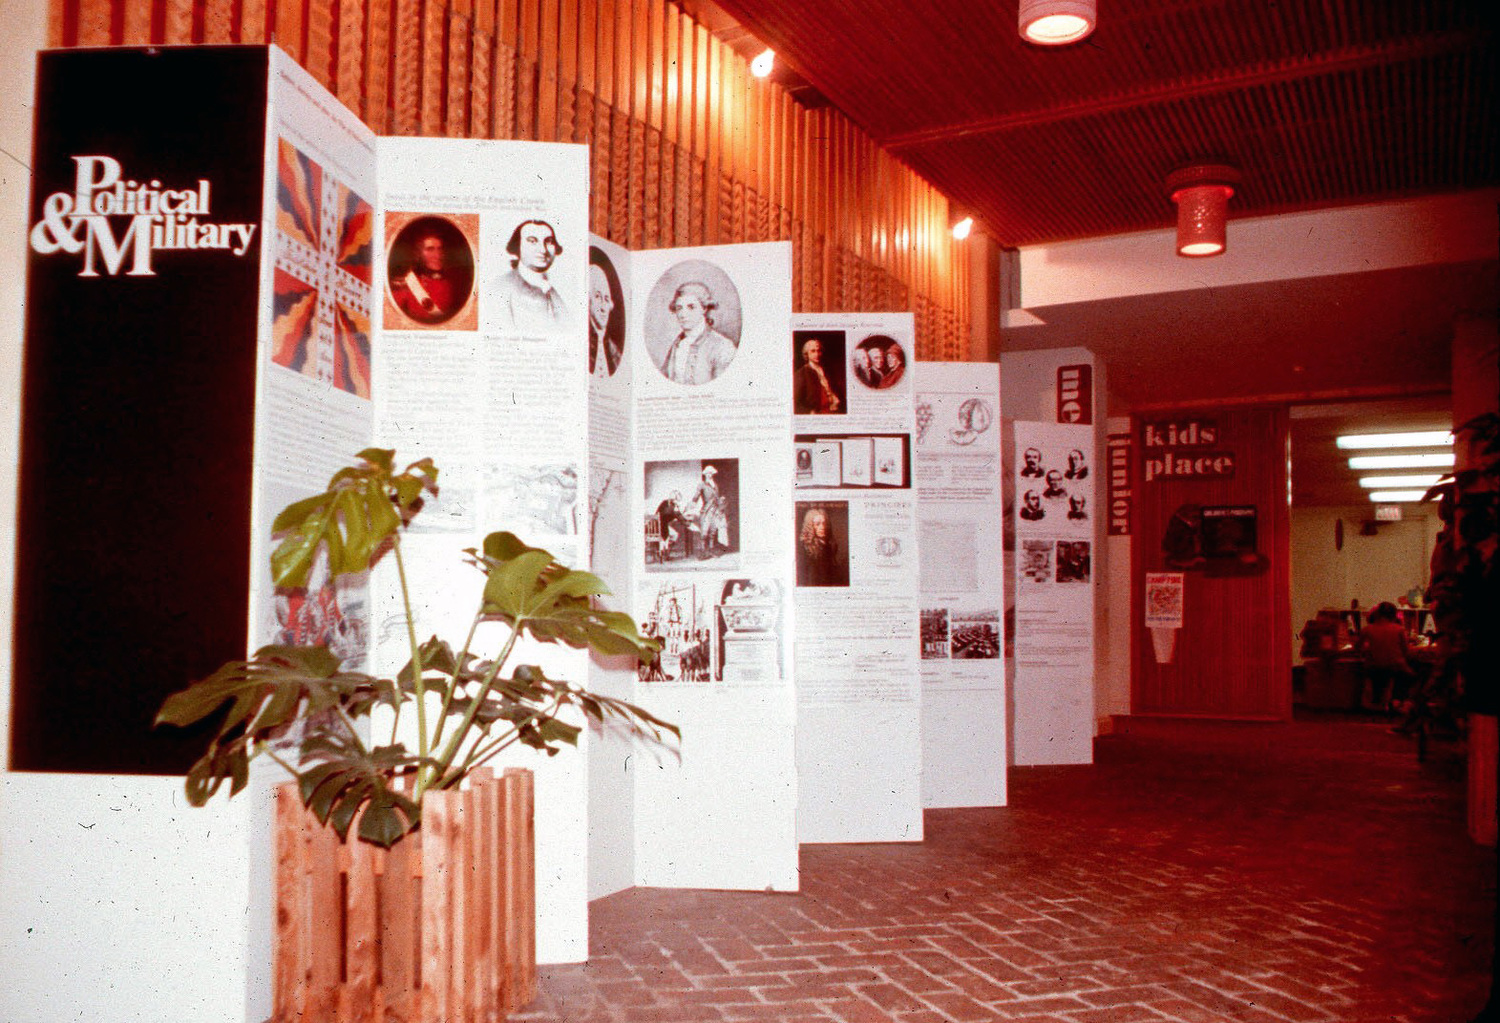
{"x": 1211, "y": 503}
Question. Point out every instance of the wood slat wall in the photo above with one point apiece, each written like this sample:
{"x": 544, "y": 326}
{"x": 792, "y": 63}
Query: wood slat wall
{"x": 688, "y": 148}
{"x": 1234, "y": 651}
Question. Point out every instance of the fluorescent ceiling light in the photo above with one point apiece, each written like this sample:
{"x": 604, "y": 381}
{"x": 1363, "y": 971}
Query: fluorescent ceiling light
{"x": 1398, "y": 481}
{"x": 1424, "y": 439}
{"x": 1396, "y": 496}
{"x": 1437, "y": 460}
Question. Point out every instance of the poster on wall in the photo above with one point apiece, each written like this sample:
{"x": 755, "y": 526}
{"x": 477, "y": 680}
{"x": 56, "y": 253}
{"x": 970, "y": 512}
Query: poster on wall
{"x": 711, "y": 438}
{"x": 1054, "y": 641}
{"x": 958, "y": 457}
{"x": 483, "y": 257}
{"x": 964, "y": 748}
{"x": 859, "y": 617}
{"x": 710, "y": 539}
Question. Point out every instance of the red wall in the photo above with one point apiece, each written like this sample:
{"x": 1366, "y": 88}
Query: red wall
{"x": 1233, "y": 653}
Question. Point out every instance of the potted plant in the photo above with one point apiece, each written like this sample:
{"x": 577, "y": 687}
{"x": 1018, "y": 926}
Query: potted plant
{"x": 297, "y": 706}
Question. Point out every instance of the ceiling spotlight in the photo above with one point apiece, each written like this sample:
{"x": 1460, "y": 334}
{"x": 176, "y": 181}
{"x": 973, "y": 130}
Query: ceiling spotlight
{"x": 1420, "y": 439}
{"x": 1202, "y": 194}
{"x": 1056, "y": 22}
{"x": 963, "y": 227}
{"x": 761, "y": 66}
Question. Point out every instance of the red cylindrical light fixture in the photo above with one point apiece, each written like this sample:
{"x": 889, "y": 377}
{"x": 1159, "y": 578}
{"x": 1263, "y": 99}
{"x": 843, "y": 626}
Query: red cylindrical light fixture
{"x": 1202, "y": 193}
{"x": 1056, "y": 22}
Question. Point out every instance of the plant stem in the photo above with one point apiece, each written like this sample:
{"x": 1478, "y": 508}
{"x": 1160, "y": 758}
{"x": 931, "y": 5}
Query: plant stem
{"x": 265, "y": 747}
{"x": 445, "y": 759}
{"x": 478, "y": 755}
{"x": 417, "y": 670}
{"x": 463, "y": 656}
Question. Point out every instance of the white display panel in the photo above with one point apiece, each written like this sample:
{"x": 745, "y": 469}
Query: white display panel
{"x": 1054, "y": 642}
{"x": 612, "y": 757}
{"x": 481, "y": 275}
{"x": 859, "y": 751}
{"x": 711, "y": 543}
{"x": 963, "y": 628}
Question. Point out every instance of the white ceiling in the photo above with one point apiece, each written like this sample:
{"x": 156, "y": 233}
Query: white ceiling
{"x": 1366, "y": 349}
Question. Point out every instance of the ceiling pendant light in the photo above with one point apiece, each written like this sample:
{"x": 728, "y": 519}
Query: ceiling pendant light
{"x": 1202, "y": 194}
{"x": 1056, "y": 22}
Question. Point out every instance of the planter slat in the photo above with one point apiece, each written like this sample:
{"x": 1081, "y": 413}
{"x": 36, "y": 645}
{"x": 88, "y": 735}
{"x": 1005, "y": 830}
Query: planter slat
{"x": 362, "y": 935}
{"x": 438, "y": 929}
{"x": 437, "y": 905}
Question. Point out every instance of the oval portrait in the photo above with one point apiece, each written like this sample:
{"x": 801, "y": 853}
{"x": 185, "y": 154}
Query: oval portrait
{"x": 879, "y": 361}
{"x": 606, "y": 315}
{"x": 429, "y": 272}
{"x": 692, "y": 322}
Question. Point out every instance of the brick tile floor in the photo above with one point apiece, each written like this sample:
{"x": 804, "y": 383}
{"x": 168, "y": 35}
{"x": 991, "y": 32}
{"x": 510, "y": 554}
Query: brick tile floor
{"x": 1307, "y": 872}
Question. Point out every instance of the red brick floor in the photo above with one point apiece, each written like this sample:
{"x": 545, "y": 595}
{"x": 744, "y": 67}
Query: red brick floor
{"x": 1201, "y": 873}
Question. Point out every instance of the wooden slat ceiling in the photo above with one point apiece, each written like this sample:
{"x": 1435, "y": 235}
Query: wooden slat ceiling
{"x": 1318, "y": 103}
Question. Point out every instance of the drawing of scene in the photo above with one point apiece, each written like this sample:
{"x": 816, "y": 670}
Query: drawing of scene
{"x": 976, "y": 635}
{"x": 692, "y": 518}
{"x": 326, "y": 612}
{"x": 749, "y": 631}
{"x": 320, "y": 324}
{"x": 677, "y": 614}
{"x": 934, "y": 633}
{"x": 1036, "y": 561}
{"x": 454, "y": 509}
{"x": 532, "y": 499}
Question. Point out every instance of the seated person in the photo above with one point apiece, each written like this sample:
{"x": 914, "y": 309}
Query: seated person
{"x": 1382, "y": 647}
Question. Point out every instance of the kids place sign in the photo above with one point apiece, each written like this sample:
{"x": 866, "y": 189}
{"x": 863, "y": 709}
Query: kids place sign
{"x": 1183, "y": 449}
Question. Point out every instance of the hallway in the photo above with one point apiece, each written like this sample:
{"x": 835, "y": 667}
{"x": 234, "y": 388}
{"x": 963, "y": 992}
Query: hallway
{"x": 1198, "y": 872}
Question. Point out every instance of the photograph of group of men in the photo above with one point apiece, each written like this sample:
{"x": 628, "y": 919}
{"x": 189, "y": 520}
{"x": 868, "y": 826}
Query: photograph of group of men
{"x": 1049, "y": 491}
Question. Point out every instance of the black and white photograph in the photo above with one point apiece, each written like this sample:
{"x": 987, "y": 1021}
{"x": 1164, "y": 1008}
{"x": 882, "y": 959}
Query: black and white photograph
{"x": 976, "y": 635}
{"x": 692, "y": 515}
{"x": 934, "y": 633}
{"x": 878, "y": 362}
{"x": 749, "y": 631}
{"x": 527, "y": 299}
{"x": 862, "y": 461}
{"x": 606, "y": 315}
{"x": 692, "y": 322}
{"x": 1073, "y": 561}
{"x": 430, "y": 268}
{"x": 818, "y": 384}
{"x": 1031, "y": 506}
{"x": 1036, "y": 561}
{"x": 822, "y": 543}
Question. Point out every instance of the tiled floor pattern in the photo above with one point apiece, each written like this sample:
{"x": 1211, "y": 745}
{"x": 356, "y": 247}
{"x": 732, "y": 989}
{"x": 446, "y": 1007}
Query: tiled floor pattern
{"x": 1305, "y": 872}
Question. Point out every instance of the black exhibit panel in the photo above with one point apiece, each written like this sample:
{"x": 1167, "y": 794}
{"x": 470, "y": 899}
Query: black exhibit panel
{"x": 138, "y": 405}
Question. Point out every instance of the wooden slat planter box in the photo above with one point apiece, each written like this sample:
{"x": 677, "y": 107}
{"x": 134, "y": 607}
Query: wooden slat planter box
{"x": 441, "y": 928}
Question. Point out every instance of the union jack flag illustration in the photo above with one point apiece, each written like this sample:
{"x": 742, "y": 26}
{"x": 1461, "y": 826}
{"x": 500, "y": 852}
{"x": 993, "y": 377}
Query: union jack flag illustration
{"x": 321, "y": 323}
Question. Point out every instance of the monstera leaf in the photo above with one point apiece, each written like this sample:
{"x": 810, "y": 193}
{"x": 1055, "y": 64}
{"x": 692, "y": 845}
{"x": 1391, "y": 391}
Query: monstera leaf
{"x": 528, "y": 589}
{"x": 296, "y": 705}
{"x": 353, "y": 519}
{"x": 347, "y": 779}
